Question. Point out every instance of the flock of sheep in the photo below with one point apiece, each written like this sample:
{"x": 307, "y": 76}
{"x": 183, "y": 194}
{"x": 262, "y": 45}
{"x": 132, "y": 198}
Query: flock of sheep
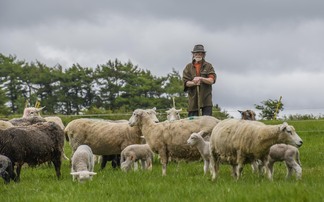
{"x": 34, "y": 140}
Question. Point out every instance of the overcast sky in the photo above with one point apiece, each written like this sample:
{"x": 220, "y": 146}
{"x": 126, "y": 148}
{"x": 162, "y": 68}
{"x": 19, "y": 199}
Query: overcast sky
{"x": 260, "y": 49}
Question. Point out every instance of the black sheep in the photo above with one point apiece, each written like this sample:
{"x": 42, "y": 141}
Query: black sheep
{"x": 114, "y": 158}
{"x": 6, "y": 169}
{"x": 34, "y": 145}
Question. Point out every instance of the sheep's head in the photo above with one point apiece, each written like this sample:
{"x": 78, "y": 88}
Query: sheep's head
{"x": 152, "y": 114}
{"x": 173, "y": 114}
{"x": 288, "y": 135}
{"x": 32, "y": 112}
{"x": 83, "y": 176}
{"x": 194, "y": 138}
{"x": 138, "y": 114}
{"x": 247, "y": 115}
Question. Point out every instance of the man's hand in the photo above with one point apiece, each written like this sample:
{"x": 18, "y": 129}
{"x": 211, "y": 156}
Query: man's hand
{"x": 197, "y": 80}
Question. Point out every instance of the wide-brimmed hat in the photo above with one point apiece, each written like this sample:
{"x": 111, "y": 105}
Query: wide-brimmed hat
{"x": 198, "y": 49}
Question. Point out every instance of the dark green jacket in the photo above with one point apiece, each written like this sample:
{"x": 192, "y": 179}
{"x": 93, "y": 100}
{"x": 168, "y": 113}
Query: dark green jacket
{"x": 205, "y": 90}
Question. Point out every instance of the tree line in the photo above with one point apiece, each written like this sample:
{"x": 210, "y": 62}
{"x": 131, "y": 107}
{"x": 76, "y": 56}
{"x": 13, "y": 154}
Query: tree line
{"x": 113, "y": 86}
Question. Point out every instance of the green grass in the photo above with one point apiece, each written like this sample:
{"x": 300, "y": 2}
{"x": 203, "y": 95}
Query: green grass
{"x": 184, "y": 181}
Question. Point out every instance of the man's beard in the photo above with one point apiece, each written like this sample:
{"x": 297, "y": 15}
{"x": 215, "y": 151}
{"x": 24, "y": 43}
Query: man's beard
{"x": 197, "y": 59}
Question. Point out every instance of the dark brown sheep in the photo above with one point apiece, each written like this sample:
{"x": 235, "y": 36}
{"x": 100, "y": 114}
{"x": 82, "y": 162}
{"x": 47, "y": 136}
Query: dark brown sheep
{"x": 34, "y": 145}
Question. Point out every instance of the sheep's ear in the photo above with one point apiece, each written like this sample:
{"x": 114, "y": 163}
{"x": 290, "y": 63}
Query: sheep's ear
{"x": 74, "y": 173}
{"x": 40, "y": 109}
{"x": 142, "y": 137}
{"x": 240, "y": 111}
{"x": 179, "y": 110}
{"x": 283, "y": 126}
{"x": 154, "y": 108}
{"x": 201, "y": 133}
{"x": 92, "y": 173}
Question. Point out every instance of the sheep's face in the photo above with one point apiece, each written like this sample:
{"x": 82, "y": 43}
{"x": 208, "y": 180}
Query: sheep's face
{"x": 136, "y": 118}
{"x": 173, "y": 114}
{"x": 32, "y": 112}
{"x": 288, "y": 135}
{"x": 194, "y": 138}
{"x": 83, "y": 176}
{"x": 152, "y": 114}
{"x": 247, "y": 115}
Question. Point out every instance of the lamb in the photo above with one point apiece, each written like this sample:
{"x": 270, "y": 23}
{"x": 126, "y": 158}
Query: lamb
{"x": 170, "y": 138}
{"x": 173, "y": 114}
{"x": 135, "y": 152}
{"x": 198, "y": 141}
{"x": 34, "y": 145}
{"x": 239, "y": 142}
{"x": 104, "y": 137}
{"x": 287, "y": 153}
{"x": 247, "y": 115}
{"x": 6, "y": 169}
{"x": 82, "y": 164}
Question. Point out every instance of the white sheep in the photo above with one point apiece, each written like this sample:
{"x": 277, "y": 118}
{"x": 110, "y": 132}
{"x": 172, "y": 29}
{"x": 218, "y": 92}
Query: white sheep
{"x": 198, "y": 141}
{"x": 104, "y": 137}
{"x": 82, "y": 164}
{"x": 239, "y": 142}
{"x": 170, "y": 138}
{"x": 173, "y": 114}
{"x": 287, "y": 153}
{"x": 134, "y": 153}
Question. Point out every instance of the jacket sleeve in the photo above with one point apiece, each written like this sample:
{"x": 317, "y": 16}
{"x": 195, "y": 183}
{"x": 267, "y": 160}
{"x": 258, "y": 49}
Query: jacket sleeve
{"x": 186, "y": 77}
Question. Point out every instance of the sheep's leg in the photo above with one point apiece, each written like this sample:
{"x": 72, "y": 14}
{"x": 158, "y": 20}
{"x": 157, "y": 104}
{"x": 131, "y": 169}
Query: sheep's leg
{"x": 234, "y": 173}
{"x": 239, "y": 170}
{"x": 254, "y": 166}
{"x": 57, "y": 165}
{"x": 292, "y": 165}
{"x": 164, "y": 160}
{"x": 11, "y": 172}
{"x": 289, "y": 171}
{"x": 149, "y": 163}
{"x": 206, "y": 166}
{"x": 103, "y": 161}
{"x": 18, "y": 169}
{"x": 298, "y": 170}
{"x": 143, "y": 164}
{"x": 214, "y": 165}
{"x": 269, "y": 168}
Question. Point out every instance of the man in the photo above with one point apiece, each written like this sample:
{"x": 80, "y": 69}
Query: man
{"x": 198, "y": 77}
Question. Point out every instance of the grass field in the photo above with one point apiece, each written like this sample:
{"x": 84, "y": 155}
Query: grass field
{"x": 184, "y": 181}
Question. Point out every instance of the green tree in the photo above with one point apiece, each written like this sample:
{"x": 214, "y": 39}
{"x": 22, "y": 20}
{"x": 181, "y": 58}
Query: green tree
{"x": 11, "y": 82}
{"x": 3, "y": 99}
{"x": 174, "y": 90}
{"x": 269, "y": 108}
